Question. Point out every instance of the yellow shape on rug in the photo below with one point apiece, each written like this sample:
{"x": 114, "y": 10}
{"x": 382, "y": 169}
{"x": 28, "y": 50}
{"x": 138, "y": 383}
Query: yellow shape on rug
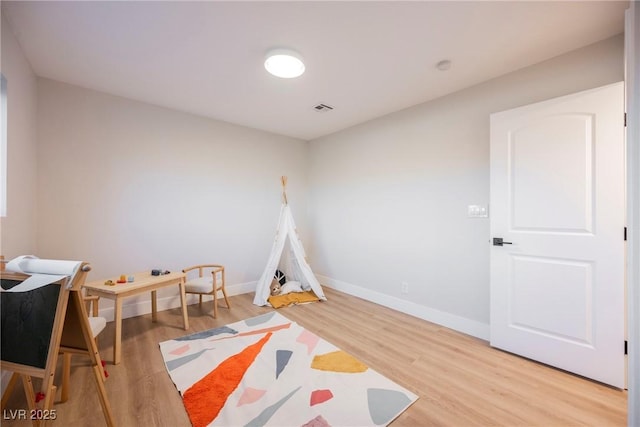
{"x": 338, "y": 361}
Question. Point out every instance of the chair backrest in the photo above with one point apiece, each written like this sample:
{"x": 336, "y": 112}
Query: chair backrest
{"x": 205, "y": 270}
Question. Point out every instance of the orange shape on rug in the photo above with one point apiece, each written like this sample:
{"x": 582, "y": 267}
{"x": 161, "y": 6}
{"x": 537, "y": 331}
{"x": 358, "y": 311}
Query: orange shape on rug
{"x": 204, "y": 399}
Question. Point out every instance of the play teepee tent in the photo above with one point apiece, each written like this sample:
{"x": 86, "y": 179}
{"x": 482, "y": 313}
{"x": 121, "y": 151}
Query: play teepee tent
{"x": 288, "y": 256}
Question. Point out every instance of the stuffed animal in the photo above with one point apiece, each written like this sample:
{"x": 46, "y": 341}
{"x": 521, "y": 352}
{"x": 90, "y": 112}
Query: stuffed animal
{"x": 275, "y": 287}
{"x": 287, "y": 288}
{"x": 290, "y": 286}
{"x": 279, "y": 279}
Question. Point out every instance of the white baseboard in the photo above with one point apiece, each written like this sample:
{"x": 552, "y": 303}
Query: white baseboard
{"x": 138, "y": 308}
{"x": 460, "y": 324}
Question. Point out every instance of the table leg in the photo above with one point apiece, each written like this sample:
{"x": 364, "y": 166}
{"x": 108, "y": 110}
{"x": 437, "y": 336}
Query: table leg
{"x": 117, "y": 342}
{"x": 154, "y": 306}
{"x": 183, "y": 302}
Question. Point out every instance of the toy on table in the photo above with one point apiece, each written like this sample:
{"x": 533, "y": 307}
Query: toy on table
{"x": 123, "y": 279}
{"x": 159, "y": 272}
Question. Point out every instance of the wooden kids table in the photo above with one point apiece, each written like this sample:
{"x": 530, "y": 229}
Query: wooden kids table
{"x": 144, "y": 282}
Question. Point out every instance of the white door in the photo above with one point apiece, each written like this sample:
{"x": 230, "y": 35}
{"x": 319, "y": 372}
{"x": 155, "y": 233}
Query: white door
{"x": 557, "y": 201}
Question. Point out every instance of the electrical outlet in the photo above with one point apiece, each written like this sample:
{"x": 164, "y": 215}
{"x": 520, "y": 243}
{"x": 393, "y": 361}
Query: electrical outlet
{"x": 404, "y": 287}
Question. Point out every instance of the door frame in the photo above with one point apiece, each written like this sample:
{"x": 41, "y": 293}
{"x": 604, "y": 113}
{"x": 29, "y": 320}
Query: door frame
{"x": 632, "y": 85}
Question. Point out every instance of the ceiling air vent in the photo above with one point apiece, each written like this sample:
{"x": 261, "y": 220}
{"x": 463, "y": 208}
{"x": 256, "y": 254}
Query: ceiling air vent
{"x": 323, "y": 107}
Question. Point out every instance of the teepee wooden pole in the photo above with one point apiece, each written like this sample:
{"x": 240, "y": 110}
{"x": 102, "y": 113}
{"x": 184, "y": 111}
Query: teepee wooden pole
{"x": 283, "y": 179}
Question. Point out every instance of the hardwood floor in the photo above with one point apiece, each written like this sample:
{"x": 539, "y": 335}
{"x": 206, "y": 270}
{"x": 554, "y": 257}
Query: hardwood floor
{"x": 460, "y": 380}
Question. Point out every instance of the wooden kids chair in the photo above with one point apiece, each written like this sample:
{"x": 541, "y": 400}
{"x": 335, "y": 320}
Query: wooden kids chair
{"x": 210, "y": 280}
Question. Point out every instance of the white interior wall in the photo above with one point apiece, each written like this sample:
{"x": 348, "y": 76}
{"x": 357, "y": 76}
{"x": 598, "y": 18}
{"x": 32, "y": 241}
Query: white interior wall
{"x": 388, "y": 198}
{"x": 18, "y": 228}
{"x": 129, "y": 187}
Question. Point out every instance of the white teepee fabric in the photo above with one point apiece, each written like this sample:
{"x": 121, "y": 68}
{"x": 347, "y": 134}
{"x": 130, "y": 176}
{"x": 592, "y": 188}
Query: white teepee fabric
{"x": 288, "y": 256}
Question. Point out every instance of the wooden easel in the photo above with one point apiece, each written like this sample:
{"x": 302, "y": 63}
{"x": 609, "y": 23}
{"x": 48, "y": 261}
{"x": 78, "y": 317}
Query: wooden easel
{"x": 70, "y": 333}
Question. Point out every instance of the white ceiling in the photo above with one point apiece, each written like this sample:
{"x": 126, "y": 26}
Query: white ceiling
{"x": 366, "y": 59}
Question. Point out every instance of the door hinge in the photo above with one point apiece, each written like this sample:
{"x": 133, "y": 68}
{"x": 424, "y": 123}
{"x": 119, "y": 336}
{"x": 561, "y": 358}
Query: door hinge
{"x": 625, "y": 347}
{"x": 625, "y": 234}
{"x": 625, "y": 119}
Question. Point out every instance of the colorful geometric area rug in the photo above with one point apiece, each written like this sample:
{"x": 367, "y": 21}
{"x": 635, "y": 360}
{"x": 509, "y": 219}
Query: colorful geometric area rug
{"x": 270, "y": 371}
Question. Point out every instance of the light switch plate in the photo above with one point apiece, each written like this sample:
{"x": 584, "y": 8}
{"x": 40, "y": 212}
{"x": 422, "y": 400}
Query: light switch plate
{"x": 478, "y": 211}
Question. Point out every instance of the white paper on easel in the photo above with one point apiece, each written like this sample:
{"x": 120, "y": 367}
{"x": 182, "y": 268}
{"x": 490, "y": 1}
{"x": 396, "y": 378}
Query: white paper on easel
{"x": 41, "y": 272}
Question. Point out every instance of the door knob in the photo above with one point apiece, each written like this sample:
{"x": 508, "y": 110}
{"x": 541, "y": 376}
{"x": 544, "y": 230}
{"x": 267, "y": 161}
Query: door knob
{"x": 499, "y": 241}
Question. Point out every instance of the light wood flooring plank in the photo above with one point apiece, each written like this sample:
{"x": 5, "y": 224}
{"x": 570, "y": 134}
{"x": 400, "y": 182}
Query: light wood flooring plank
{"x": 461, "y": 381}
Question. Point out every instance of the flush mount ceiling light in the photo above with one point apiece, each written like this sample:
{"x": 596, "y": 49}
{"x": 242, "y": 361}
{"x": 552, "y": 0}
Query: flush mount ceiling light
{"x": 284, "y": 63}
